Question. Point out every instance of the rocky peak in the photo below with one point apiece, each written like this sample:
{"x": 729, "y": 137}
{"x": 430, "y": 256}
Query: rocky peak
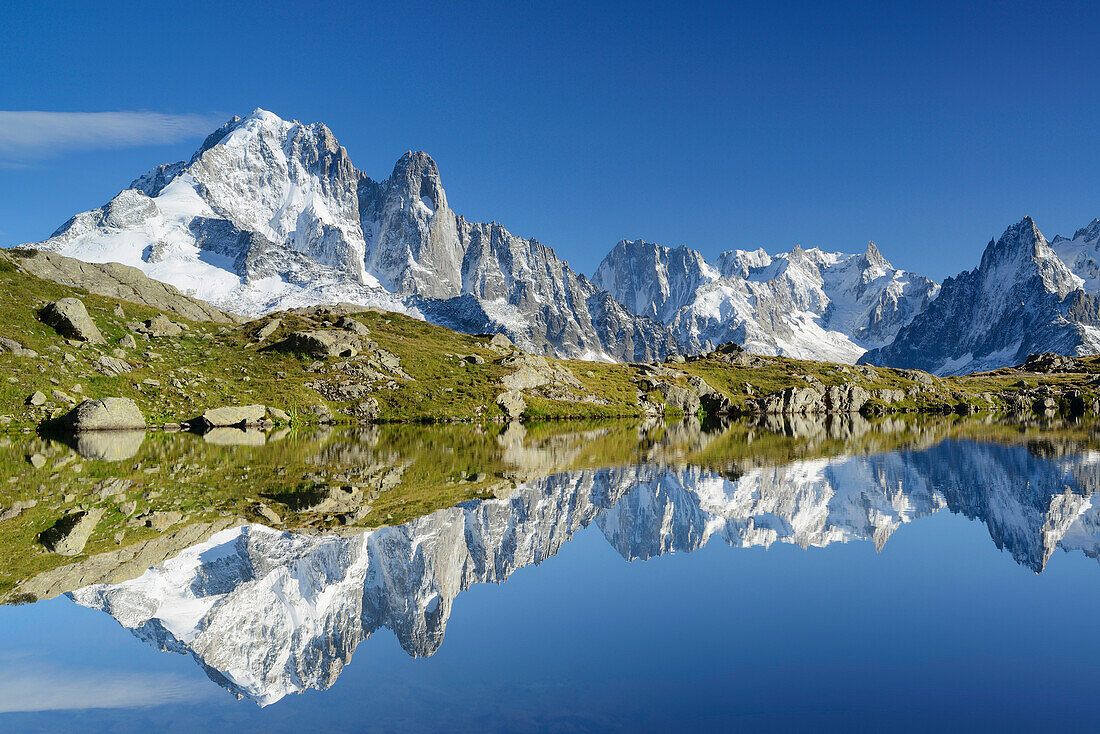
{"x": 416, "y": 177}
{"x": 1089, "y": 233}
{"x": 1021, "y": 240}
{"x": 872, "y": 258}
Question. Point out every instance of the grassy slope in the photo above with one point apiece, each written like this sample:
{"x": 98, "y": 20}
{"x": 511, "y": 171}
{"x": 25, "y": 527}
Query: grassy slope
{"x": 210, "y": 365}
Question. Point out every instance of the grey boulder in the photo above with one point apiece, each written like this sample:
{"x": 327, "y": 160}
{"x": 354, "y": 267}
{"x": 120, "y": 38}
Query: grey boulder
{"x": 105, "y": 414}
{"x": 234, "y": 415}
{"x": 70, "y": 318}
{"x": 322, "y": 344}
{"x": 70, "y": 534}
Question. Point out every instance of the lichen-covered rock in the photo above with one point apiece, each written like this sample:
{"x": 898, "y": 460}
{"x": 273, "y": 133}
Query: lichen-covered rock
{"x": 512, "y": 403}
{"x": 682, "y": 398}
{"x": 70, "y": 318}
{"x": 793, "y": 400}
{"x": 845, "y": 398}
{"x": 268, "y": 329}
{"x": 355, "y": 327}
{"x": 112, "y": 366}
{"x": 70, "y": 534}
{"x": 160, "y": 326}
{"x": 105, "y": 414}
{"x": 278, "y": 415}
{"x": 234, "y": 415}
{"x": 11, "y": 345}
{"x": 323, "y": 343}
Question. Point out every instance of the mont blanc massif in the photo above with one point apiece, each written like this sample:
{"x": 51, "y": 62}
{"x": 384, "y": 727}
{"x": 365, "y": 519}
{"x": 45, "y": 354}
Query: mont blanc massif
{"x": 270, "y": 214}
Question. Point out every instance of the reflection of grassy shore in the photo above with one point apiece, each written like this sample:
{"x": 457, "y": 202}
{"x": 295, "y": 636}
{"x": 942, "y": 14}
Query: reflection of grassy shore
{"x": 399, "y": 471}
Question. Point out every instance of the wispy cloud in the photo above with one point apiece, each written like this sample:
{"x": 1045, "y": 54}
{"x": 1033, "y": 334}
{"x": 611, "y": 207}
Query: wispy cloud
{"x": 41, "y": 689}
{"x": 37, "y": 134}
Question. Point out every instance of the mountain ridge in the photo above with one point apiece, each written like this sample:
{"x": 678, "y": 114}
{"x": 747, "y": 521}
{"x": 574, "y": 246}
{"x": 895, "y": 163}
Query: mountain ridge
{"x": 270, "y": 214}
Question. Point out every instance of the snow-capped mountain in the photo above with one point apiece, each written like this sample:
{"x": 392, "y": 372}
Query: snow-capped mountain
{"x": 1028, "y": 295}
{"x": 804, "y": 303}
{"x": 271, "y": 214}
{"x": 267, "y": 613}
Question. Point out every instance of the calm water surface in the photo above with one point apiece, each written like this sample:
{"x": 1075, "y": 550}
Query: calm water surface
{"x": 821, "y": 577}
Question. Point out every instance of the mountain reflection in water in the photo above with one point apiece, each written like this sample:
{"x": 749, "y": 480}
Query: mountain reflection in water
{"x": 268, "y": 612}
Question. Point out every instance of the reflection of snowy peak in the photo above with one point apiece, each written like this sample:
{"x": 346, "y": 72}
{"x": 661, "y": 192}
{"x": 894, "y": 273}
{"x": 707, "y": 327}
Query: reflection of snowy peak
{"x": 1027, "y": 296}
{"x": 268, "y": 613}
{"x": 804, "y": 303}
{"x": 271, "y": 214}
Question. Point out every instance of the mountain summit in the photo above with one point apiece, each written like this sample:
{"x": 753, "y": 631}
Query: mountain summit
{"x": 270, "y": 214}
{"x": 807, "y": 304}
{"x": 1026, "y": 296}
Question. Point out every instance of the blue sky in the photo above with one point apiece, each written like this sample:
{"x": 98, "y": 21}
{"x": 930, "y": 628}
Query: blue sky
{"x": 926, "y": 127}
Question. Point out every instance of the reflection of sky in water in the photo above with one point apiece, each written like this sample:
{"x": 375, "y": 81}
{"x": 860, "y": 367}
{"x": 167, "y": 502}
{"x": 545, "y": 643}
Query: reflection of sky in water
{"x": 939, "y": 629}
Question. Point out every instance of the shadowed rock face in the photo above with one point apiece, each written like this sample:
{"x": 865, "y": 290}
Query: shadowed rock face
{"x": 268, "y": 613}
{"x": 1027, "y": 296}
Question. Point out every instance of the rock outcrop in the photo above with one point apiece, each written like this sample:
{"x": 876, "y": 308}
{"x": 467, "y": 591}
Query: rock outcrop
{"x": 323, "y": 344}
{"x": 804, "y": 400}
{"x": 1050, "y": 363}
{"x": 113, "y": 280}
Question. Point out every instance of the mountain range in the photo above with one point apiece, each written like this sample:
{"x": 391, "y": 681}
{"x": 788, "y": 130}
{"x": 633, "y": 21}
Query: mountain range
{"x": 271, "y": 214}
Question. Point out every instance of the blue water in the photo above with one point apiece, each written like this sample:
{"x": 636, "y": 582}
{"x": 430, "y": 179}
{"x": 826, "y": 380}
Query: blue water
{"x": 939, "y": 630}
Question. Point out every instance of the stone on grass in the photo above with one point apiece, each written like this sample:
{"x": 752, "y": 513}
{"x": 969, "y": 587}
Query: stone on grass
{"x": 112, "y": 366}
{"x": 322, "y": 344}
{"x": 160, "y": 325}
{"x": 234, "y": 415}
{"x": 268, "y": 329}
{"x": 105, "y": 414}
{"x": 37, "y": 398}
{"x": 349, "y": 324}
{"x": 10, "y": 345}
{"x": 70, "y": 318}
{"x": 280, "y": 416}
{"x": 70, "y": 534}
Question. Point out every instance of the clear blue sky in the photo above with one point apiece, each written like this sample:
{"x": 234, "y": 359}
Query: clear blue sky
{"x": 928, "y": 128}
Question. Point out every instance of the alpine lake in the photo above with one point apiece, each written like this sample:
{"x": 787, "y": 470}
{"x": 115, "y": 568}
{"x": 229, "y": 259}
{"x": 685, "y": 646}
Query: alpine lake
{"x": 808, "y": 574}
